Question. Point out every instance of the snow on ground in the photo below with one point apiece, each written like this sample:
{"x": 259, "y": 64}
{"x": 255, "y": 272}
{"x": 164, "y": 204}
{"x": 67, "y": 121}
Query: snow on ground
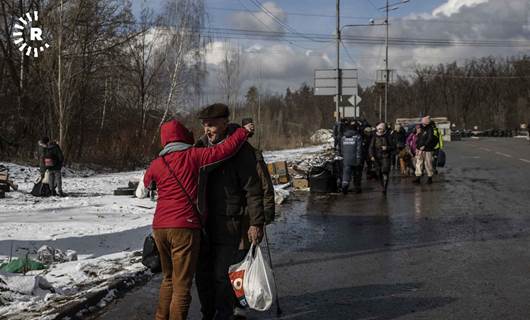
{"x": 293, "y": 155}
{"x": 106, "y": 231}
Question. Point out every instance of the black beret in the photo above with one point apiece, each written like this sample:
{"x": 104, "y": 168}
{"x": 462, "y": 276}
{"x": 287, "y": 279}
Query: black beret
{"x": 216, "y": 110}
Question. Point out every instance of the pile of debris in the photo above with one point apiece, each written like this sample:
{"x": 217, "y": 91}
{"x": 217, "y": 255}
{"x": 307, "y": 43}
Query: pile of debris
{"x": 296, "y": 173}
{"x": 322, "y": 136}
{"x": 5, "y": 183}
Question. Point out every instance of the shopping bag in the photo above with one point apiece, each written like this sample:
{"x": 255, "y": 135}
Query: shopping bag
{"x": 150, "y": 255}
{"x": 46, "y": 178}
{"x": 236, "y": 273}
{"x": 258, "y": 282}
{"x": 441, "y": 159}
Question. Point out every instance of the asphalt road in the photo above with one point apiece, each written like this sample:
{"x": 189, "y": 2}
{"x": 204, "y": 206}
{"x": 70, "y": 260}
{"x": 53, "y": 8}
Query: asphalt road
{"x": 456, "y": 249}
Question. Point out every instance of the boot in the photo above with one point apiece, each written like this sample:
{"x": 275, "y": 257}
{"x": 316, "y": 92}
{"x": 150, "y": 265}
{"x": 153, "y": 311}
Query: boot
{"x": 417, "y": 180}
{"x": 429, "y": 181}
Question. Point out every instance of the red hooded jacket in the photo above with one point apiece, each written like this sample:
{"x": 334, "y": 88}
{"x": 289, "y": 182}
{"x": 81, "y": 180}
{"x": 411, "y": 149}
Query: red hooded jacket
{"x": 173, "y": 210}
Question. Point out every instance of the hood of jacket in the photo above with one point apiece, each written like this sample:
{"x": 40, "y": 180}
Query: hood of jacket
{"x": 174, "y": 131}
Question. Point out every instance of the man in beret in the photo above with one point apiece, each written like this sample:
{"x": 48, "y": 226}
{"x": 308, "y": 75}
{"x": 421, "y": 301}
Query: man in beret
{"x": 231, "y": 194}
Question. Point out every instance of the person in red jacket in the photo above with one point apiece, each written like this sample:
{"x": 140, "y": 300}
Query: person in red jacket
{"x": 177, "y": 222}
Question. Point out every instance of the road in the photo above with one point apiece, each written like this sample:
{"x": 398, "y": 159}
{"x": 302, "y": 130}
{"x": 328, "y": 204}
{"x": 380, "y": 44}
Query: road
{"x": 456, "y": 249}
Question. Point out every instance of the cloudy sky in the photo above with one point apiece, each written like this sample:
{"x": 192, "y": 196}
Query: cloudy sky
{"x": 303, "y": 31}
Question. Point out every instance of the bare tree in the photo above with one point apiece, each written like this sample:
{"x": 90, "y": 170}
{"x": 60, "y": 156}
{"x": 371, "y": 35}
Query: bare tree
{"x": 229, "y": 75}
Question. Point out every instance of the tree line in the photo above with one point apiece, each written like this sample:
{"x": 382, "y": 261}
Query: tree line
{"x": 111, "y": 77}
{"x": 485, "y": 92}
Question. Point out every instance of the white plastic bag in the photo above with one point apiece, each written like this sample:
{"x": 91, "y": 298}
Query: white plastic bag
{"x": 236, "y": 273}
{"x": 46, "y": 178}
{"x": 141, "y": 191}
{"x": 258, "y": 281}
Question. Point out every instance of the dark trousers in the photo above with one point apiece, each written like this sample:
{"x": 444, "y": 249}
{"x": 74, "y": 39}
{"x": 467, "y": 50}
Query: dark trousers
{"x": 213, "y": 285}
{"x": 350, "y": 172}
{"x": 383, "y": 169}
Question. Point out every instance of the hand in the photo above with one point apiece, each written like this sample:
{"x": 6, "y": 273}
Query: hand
{"x": 384, "y": 148}
{"x": 250, "y": 127}
{"x": 422, "y": 148}
{"x": 373, "y": 159}
{"x": 255, "y": 234}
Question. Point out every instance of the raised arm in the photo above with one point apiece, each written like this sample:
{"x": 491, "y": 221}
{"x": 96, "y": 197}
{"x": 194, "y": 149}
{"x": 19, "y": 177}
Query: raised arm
{"x": 221, "y": 151}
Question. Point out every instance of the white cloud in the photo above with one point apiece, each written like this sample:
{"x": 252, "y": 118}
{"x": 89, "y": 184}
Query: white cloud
{"x": 463, "y": 20}
{"x": 453, "y": 6}
{"x": 260, "y": 20}
{"x": 275, "y": 66}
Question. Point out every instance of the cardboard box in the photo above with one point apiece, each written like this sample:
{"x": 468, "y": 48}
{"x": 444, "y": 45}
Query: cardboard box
{"x": 300, "y": 183}
{"x": 279, "y": 172}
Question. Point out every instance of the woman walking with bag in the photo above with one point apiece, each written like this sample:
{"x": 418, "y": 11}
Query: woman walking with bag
{"x": 177, "y": 222}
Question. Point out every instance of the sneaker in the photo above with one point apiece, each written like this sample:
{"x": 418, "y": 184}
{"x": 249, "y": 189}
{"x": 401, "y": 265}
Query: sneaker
{"x": 429, "y": 181}
{"x": 62, "y": 194}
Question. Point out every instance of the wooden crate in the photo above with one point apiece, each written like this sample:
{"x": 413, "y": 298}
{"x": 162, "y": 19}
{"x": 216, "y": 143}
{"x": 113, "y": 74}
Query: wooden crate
{"x": 300, "y": 183}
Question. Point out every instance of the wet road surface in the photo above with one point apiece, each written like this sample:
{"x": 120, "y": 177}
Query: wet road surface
{"x": 456, "y": 249}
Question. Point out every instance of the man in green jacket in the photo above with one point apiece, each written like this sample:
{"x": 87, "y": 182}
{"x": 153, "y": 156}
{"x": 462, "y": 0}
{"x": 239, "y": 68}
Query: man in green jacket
{"x": 231, "y": 194}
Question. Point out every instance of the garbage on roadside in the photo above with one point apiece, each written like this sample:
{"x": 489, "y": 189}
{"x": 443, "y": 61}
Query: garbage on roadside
{"x": 48, "y": 255}
{"x": 279, "y": 172}
{"x": 322, "y": 136}
{"x": 5, "y": 183}
{"x": 127, "y": 191}
{"x": 21, "y": 265}
{"x": 25, "y": 284}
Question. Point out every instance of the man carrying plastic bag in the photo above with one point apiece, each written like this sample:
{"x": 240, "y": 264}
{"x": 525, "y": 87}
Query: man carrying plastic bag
{"x": 252, "y": 281}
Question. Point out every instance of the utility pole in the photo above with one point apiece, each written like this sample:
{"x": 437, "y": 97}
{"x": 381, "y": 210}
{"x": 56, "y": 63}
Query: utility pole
{"x": 386, "y": 63}
{"x": 337, "y": 97}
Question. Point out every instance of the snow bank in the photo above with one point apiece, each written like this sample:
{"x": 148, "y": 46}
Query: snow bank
{"x": 106, "y": 231}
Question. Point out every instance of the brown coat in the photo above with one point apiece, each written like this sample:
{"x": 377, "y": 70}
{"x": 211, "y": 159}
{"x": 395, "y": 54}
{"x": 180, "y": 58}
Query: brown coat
{"x": 269, "y": 206}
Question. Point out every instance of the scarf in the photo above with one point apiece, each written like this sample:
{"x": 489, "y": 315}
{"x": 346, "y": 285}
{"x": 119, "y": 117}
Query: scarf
{"x": 173, "y": 147}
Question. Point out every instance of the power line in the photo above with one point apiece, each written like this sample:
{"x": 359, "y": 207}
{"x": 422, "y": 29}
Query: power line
{"x": 264, "y": 24}
{"x": 285, "y": 25}
{"x": 302, "y": 14}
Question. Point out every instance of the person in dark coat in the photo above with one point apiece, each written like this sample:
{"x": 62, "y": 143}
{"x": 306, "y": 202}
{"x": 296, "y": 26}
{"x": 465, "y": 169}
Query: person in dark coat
{"x": 398, "y": 137}
{"x": 232, "y": 193}
{"x": 269, "y": 205}
{"x": 425, "y": 146}
{"x": 380, "y": 152}
{"x": 352, "y": 151}
{"x": 177, "y": 222}
{"x": 52, "y": 161}
{"x": 367, "y": 139}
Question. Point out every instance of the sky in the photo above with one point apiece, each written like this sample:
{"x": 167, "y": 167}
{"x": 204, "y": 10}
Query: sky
{"x": 281, "y": 63}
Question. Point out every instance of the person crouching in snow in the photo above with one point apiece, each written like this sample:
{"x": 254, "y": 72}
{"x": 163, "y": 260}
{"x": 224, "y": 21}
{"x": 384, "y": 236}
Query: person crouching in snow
{"x": 177, "y": 222}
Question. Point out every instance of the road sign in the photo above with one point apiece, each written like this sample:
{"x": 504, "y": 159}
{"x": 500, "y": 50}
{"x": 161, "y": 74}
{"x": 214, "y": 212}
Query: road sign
{"x": 326, "y": 82}
{"x": 354, "y": 100}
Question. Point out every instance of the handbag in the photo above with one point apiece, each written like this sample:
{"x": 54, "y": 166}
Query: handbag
{"x": 150, "y": 255}
{"x": 204, "y": 235}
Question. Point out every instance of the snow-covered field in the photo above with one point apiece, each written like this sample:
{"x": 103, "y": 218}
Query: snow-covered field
{"x": 105, "y": 230}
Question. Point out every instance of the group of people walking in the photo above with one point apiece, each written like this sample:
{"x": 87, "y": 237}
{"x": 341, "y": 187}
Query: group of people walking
{"x": 215, "y": 196}
{"x": 360, "y": 147}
